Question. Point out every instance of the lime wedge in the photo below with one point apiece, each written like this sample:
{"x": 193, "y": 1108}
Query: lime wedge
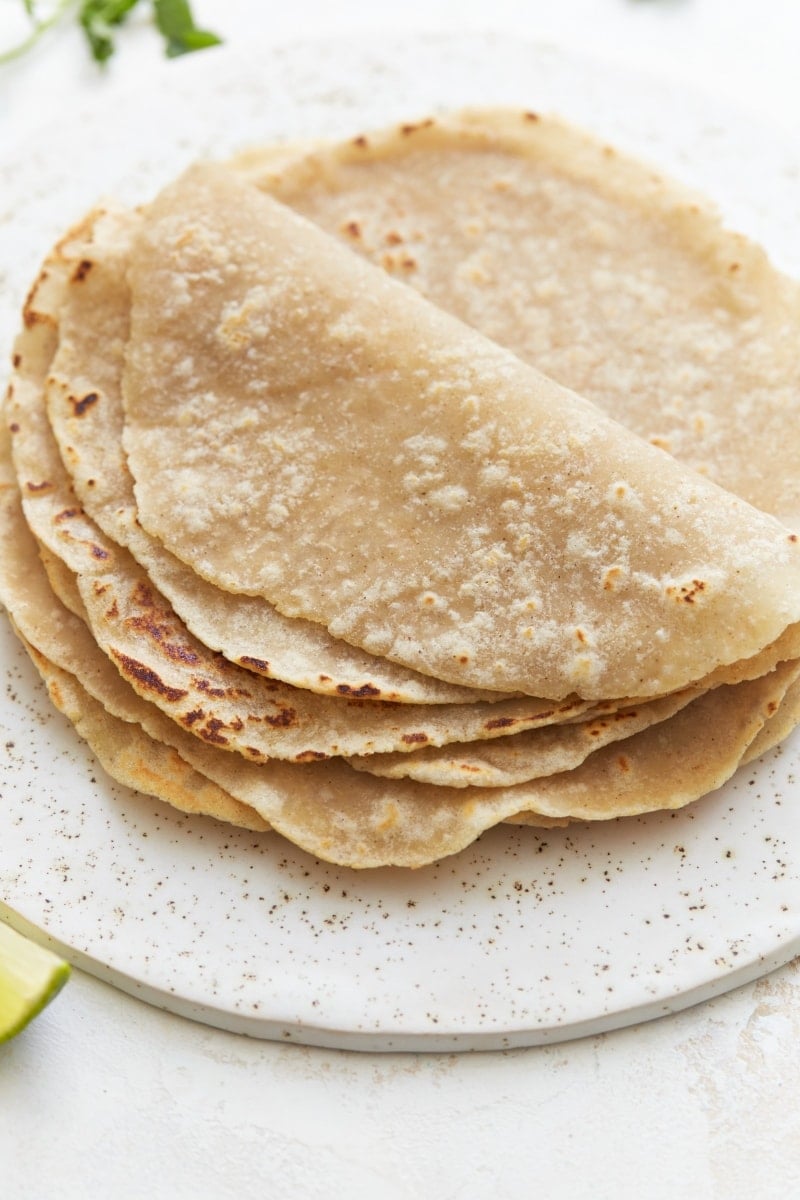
{"x": 30, "y": 977}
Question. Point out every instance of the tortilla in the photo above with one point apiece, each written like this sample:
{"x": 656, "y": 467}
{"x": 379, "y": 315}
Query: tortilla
{"x": 667, "y": 763}
{"x": 138, "y": 761}
{"x": 618, "y": 283}
{"x": 547, "y": 750}
{"x": 85, "y": 412}
{"x": 62, "y": 581}
{"x": 358, "y": 821}
{"x": 217, "y": 701}
{"x": 522, "y": 756}
{"x": 778, "y": 726}
{"x": 560, "y": 555}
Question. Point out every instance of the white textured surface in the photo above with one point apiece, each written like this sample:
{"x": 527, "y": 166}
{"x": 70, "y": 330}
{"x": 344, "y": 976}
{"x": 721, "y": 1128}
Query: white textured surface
{"x": 112, "y": 1097}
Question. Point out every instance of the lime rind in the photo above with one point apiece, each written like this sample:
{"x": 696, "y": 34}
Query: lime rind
{"x": 30, "y": 976}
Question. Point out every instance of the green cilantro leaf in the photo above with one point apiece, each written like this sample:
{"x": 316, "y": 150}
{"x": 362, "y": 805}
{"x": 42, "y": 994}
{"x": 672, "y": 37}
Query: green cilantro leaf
{"x": 175, "y": 21}
{"x": 98, "y": 18}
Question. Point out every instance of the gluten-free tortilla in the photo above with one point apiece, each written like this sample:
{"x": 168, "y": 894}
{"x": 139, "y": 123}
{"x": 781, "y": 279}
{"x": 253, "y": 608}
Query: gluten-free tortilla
{"x": 367, "y": 427}
{"x": 84, "y": 401}
{"x": 398, "y": 478}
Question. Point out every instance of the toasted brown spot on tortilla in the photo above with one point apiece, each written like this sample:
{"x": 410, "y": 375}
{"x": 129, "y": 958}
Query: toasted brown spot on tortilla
{"x": 686, "y": 593}
{"x": 82, "y": 270}
{"x": 146, "y": 676}
{"x": 79, "y": 407}
{"x": 282, "y": 719}
{"x": 159, "y": 632}
{"x": 407, "y": 130}
{"x": 31, "y": 317}
{"x": 142, "y": 594}
{"x": 203, "y": 685}
{"x": 256, "y": 664}
{"x": 500, "y": 723}
{"x": 211, "y": 732}
{"x": 366, "y": 689}
{"x": 413, "y": 739}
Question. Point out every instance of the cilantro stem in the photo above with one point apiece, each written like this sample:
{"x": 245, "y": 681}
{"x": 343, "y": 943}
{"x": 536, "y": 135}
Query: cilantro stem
{"x": 99, "y": 20}
{"x": 39, "y": 27}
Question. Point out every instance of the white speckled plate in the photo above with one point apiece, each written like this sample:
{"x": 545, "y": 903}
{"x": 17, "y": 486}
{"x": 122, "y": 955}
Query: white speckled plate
{"x": 528, "y": 937}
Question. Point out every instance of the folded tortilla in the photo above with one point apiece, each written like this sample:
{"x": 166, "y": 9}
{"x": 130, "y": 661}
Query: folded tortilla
{"x": 318, "y": 434}
{"x": 216, "y": 701}
{"x": 92, "y": 320}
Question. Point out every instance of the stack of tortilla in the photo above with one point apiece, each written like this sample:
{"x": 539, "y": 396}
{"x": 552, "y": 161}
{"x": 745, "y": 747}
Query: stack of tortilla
{"x": 379, "y": 493}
